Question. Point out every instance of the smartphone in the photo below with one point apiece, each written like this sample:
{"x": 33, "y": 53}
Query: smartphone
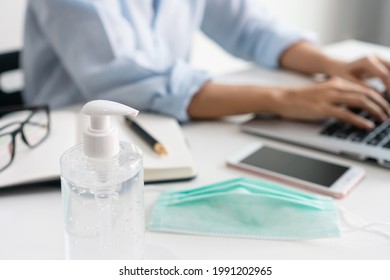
{"x": 310, "y": 173}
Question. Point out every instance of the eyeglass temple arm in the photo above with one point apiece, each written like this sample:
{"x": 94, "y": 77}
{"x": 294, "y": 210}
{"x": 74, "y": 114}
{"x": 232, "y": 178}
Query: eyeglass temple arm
{"x": 8, "y": 124}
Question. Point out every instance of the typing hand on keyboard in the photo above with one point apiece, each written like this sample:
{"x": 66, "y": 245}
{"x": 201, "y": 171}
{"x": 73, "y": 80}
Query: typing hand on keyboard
{"x": 379, "y": 136}
{"x": 336, "y": 98}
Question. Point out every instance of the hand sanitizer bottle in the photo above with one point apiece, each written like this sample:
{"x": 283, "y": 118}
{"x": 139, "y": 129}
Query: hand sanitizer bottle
{"x": 102, "y": 190}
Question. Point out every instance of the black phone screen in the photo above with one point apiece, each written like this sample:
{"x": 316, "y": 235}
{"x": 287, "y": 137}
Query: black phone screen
{"x": 296, "y": 166}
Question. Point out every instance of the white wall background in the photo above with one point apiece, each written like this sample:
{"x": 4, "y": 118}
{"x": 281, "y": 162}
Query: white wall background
{"x": 11, "y": 23}
{"x": 333, "y": 20}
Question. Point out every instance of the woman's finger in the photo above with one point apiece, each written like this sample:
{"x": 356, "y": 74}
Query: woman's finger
{"x": 360, "y": 101}
{"x": 375, "y": 67}
{"x": 371, "y": 94}
{"x": 386, "y": 63}
{"x": 345, "y": 115}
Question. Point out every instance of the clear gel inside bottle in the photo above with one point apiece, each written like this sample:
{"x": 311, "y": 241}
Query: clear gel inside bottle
{"x": 103, "y": 204}
{"x": 102, "y": 190}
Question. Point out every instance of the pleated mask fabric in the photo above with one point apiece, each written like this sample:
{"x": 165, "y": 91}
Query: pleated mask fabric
{"x": 248, "y": 208}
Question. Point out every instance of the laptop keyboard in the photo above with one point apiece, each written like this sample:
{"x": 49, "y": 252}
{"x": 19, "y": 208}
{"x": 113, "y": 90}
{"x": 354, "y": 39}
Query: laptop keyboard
{"x": 380, "y": 136}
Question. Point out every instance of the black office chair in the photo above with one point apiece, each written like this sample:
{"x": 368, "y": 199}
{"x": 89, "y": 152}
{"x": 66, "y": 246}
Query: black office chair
{"x": 8, "y": 62}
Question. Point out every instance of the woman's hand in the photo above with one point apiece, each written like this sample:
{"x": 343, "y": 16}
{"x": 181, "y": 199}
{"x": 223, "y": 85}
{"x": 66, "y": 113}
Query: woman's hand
{"x": 333, "y": 98}
{"x": 358, "y": 71}
{"x": 309, "y": 59}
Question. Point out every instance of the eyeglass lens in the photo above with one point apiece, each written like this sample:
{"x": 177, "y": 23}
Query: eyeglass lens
{"x": 35, "y": 128}
{"x": 6, "y": 150}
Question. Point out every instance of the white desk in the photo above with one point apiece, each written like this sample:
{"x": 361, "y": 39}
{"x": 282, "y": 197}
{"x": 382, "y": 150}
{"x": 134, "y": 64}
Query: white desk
{"x": 31, "y": 221}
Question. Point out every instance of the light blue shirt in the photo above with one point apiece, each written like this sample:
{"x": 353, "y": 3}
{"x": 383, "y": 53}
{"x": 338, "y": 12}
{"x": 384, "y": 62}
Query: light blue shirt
{"x": 136, "y": 51}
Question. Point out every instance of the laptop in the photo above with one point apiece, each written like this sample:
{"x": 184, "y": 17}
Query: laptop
{"x": 331, "y": 136}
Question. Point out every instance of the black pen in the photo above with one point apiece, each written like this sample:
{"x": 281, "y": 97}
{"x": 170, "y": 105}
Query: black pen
{"x": 149, "y": 139}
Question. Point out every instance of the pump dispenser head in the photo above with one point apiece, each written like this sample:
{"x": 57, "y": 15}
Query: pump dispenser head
{"x": 100, "y": 138}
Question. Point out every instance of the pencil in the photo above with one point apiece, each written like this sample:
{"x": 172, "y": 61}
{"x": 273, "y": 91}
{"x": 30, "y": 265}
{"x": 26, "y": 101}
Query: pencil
{"x": 149, "y": 139}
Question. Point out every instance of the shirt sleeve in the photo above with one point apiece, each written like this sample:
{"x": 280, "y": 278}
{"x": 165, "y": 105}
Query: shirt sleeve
{"x": 247, "y": 30}
{"x": 99, "y": 51}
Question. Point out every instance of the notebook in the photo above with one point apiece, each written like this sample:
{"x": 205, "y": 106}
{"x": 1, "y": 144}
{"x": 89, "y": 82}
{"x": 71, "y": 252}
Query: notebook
{"x": 41, "y": 164}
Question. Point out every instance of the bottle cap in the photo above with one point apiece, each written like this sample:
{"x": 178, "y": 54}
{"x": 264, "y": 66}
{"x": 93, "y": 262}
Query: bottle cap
{"x": 100, "y": 138}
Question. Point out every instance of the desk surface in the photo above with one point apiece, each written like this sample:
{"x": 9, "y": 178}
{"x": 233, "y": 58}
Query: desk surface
{"x": 31, "y": 220}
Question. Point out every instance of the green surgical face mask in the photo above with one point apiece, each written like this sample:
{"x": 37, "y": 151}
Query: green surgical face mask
{"x": 246, "y": 207}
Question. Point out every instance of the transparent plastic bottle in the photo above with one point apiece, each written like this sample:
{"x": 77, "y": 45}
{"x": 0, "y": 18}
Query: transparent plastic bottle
{"x": 102, "y": 190}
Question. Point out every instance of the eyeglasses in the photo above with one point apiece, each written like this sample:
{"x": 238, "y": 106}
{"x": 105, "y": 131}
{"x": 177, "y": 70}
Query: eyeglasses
{"x": 33, "y": 124}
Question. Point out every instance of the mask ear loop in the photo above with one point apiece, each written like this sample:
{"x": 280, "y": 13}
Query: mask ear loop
{"x": 362, "y": 224}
